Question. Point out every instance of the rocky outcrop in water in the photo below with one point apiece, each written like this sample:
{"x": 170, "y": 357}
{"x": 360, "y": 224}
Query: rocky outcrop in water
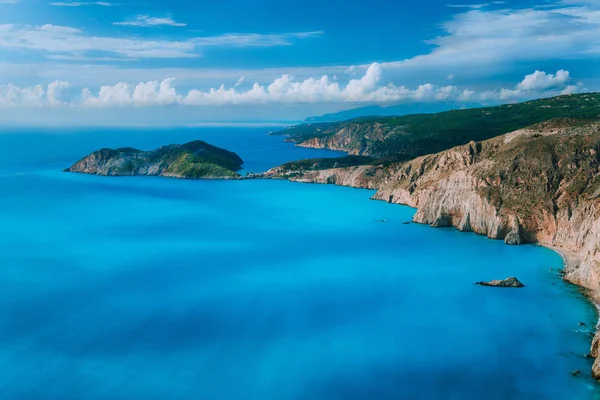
{"x": 505, "y": 283}
{"x": 194, "y": 160}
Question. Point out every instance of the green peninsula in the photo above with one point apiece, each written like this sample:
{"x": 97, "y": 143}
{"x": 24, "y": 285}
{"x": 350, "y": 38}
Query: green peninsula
{"x": 405, "y": 137}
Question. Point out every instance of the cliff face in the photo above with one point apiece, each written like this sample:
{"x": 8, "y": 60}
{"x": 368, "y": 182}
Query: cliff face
{"x": 356, "y": 138}
{"x": 194, "y": 160}
{"x": 536, "y": 185}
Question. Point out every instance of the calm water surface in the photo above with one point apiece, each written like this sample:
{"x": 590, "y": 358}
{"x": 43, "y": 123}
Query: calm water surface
{"x": 150, "y": 288}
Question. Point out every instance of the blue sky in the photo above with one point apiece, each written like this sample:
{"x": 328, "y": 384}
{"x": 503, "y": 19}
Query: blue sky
{"x": 232, "y": 60}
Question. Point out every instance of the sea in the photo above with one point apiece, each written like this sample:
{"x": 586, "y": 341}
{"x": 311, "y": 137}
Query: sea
{"x": 132, "y": 288}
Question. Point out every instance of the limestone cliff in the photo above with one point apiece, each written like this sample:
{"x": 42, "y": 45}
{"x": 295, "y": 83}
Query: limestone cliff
{"x": 534, "y": 185}
{"x": 194, "y": 160}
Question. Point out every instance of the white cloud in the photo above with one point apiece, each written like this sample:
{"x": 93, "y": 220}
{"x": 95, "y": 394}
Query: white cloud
{"x": 148, "y": 21}
{"x": 483, "y": 41}
{"x": 537, "y": 84}
{"x": 123, "y": 94}
{"x": 63, "y": 41}
{"x": 239, "y": 82}
{"x": 36, "y": 96}
{"x": 54, "y": 93}
{"x": 286, "y": 90}
{"x": 540, "y": 80}
{"x": 11, "y": 95}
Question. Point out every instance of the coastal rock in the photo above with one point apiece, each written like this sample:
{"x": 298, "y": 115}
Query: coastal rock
{"x": 596, "y": 369}
{"x": 194, "y": 160}
{"x": 442, "y": 221}
{"x": 595, "y": 349}
{"x": 507, "y": 283}
{"x": 514, "y": 237}
{"x": 465, "y": 224}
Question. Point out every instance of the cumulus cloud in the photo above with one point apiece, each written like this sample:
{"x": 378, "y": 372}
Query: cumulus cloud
{"x": 55, "y": 92}
{"x": 370, "y": 88}
{"x": 11, "y": 95}
{"x": 541, "y": 83}
{"x": 123, "y": 94}
{"x": 36, "y": 96}
{"x": 284, "y": 89}
{"x": 540, "y": 80}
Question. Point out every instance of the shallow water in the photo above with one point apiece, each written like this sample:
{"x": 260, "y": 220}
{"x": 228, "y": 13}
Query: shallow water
{"x": 150, "y": 288}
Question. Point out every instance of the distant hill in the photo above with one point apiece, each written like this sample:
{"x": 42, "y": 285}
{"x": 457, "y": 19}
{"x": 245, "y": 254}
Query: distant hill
{"x": 415, "y": 135}
{"x": 396, "y": 110}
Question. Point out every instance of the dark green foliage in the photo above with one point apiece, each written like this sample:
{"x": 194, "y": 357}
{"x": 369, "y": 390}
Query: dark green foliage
{"x": 315, "y": 164}
{"x": 415, "y": 135}
{"x": 326, "y": 163}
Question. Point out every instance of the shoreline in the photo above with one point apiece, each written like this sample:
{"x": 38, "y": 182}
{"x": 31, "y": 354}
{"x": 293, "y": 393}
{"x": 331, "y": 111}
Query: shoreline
{"x": 570, "y": 260}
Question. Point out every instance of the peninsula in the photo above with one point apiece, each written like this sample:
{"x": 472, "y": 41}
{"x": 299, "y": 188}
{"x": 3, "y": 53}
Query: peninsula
{"x": 194, "y": 160}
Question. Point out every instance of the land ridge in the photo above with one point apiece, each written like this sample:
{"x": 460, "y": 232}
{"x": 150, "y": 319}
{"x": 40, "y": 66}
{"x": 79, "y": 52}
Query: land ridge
{"x": 409, "y": 136}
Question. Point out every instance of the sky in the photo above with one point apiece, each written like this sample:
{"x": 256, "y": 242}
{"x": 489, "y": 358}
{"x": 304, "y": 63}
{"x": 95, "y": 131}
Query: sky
{"x": 185, "y": 62}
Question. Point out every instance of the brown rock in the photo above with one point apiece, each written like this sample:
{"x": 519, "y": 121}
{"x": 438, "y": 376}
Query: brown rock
{"x": 595, "y": 349}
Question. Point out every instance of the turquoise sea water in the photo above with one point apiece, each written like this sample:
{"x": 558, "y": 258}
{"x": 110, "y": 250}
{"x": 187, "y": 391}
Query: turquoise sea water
{"x": 151, "y": 288}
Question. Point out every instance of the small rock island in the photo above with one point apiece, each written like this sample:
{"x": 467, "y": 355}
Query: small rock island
{"x": 194, "y": 160}
{"x": 506, "y": 283}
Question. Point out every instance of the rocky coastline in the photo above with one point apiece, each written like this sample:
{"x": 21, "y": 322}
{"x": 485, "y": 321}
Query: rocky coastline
{"x": 535, "y": 185}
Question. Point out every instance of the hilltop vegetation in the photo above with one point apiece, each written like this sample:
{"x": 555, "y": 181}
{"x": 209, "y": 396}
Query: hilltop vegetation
{"x": 415, "y": 135}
